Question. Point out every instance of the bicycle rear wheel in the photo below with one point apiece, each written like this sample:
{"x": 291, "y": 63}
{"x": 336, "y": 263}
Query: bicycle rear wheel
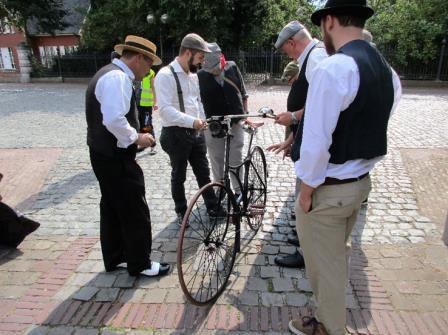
{"x": 207, "y": 246}
{"x": 255, "y": 182}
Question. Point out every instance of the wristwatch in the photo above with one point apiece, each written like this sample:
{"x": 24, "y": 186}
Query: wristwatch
{"x": 294, "y": 118}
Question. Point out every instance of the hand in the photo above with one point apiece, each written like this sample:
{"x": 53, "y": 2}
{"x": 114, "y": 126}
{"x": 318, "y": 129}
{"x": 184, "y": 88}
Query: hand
{"x": 199, "y": 124}
{"x": 279, "y": 147}
{"x": 155, "y": 107}
{"x": 284, "y": 119}
{"x": 305, "y": 202}
{"x": 305, "y": 197}
{"x": 145, "y": 140}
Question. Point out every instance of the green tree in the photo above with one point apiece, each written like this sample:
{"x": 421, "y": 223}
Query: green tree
{"x": 412, "y": 28}
{"x": 47, "y": 15}
{"x": 233, "y": 23}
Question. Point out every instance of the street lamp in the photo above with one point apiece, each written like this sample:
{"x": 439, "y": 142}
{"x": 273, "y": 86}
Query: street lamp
{"x": 154, "y": 18}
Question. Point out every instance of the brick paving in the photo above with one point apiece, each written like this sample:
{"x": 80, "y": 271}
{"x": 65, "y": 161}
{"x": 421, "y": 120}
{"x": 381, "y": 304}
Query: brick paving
{"x": 55, "y": 282}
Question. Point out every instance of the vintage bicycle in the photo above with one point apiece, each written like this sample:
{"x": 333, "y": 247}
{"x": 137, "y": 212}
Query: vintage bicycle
{"x": 210, "y": 238}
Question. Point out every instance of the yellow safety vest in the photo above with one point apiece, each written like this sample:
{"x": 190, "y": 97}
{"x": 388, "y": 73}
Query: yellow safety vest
{"x": 147, "y": 96}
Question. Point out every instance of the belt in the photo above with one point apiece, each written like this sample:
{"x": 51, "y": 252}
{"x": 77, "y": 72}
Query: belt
{"x": 188, "y": 131}
{"x": 335, "y": 181}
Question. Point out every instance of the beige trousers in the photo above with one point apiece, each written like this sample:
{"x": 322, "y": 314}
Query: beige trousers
{"x": 325, "y": 240}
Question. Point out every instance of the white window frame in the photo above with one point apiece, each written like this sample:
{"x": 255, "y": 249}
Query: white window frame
{"x": 7, "y": 54}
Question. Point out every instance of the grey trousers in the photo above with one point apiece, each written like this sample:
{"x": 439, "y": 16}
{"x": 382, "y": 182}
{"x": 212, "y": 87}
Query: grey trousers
{"x": 216, "y": 152}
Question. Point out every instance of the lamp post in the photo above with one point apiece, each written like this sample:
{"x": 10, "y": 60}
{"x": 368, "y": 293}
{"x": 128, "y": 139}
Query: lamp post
{"x": 442, "y": 54}
{"x": 154, "y": 18}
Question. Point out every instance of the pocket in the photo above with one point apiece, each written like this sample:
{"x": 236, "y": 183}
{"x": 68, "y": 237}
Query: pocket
{"x": 335, "y": 206}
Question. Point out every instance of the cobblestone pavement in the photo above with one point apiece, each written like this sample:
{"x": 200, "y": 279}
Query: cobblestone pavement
{"x": 55, "y": 283}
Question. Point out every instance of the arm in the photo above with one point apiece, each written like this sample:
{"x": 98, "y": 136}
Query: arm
{"x": 168, "y": 102}
{"x": 113, "y": 91}
{"x": 154, "y": 93}
{"x": 244, "y": 94}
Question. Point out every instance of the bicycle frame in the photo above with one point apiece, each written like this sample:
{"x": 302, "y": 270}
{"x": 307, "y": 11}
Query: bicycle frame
{"x": 235, "y": 170}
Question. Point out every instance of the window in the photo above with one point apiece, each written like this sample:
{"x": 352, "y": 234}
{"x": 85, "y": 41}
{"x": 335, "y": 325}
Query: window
{"x": 6, "y": 59}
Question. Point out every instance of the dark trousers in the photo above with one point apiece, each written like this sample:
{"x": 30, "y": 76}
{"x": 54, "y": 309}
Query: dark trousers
{"x": 125, "y": 223}
{"x": 183, "y": 146}
{"x": 142, "y": 112}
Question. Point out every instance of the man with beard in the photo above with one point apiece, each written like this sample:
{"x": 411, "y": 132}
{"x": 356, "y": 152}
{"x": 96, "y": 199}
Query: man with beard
{"x": 351, "y": 96}
{"x": 183, "y": 119}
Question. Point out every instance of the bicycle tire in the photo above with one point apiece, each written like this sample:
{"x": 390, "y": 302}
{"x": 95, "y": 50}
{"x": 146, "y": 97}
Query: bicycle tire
{"x": 207, "y": 246}
{"x": 255, "y": 182}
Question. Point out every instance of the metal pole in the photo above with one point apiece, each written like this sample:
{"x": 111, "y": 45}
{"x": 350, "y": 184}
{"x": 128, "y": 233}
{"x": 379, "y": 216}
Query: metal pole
{"x": 161, "y": 45}
{"x": 442, "y": 54}
{"x": 59, "y": 64}
{"x": 272, "y": 63}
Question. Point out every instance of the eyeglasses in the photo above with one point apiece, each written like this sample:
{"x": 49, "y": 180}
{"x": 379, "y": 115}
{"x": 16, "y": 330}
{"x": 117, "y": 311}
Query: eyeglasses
{"x": 148, "y": 59}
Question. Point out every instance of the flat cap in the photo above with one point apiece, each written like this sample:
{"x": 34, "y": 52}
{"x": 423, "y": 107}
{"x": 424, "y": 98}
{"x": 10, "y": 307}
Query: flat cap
{"x": 291, "y": 69}
{"x": 194, "y": 41}
{"x": 288, "y": 31}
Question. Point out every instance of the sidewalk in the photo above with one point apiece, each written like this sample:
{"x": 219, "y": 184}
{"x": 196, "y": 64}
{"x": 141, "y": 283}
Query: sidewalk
{"x": 55, "y": 282}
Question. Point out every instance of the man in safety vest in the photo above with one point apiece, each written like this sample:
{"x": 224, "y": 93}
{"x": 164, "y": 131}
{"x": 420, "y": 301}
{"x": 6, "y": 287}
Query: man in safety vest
{"x": 146, "y": 104}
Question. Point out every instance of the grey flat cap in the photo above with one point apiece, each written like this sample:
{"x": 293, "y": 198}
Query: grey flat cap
{"x": 288, "y": 31}
{"x": 194, "y": 41}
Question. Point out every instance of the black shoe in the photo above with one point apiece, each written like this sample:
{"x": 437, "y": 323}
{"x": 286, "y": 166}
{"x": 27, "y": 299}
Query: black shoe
{"x": 180, "y": 218}
{"x": 220, "y": 212}
{"x": 295, "y": 261}
{"x": 294, "y": 241}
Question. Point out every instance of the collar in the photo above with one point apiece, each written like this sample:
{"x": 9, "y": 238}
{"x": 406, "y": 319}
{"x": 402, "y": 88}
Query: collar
{"x": 124, "y": 67}
{"x": 305, "y": 52}
{"x": 177, "y": 67}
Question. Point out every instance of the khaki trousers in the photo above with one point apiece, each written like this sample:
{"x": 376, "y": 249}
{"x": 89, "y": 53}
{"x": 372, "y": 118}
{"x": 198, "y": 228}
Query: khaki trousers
{"x": 325, "y": 240}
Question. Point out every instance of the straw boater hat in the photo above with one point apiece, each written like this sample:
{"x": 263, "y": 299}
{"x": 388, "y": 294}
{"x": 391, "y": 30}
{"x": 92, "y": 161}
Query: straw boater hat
{"x": 140, "y": 45}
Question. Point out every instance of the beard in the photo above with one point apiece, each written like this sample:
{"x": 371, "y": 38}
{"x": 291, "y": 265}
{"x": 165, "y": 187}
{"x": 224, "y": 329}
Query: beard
{"x": 329, "y": 44}
{"x": 192, "y": 67}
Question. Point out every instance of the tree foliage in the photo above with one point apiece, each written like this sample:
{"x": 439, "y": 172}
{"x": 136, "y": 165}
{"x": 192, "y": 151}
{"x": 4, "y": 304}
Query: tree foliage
{"x": 412, "y": 28}
{"x": 47, "y": 15}
{"x": 232, "y": 23}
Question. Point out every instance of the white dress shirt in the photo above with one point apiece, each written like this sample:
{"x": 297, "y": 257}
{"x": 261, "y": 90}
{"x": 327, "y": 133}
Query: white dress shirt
{"x": 168, "y": 100}
{"x": 316, "y": 56}
{"x": 333, "y": 87}
{"x": 114, "y": 91}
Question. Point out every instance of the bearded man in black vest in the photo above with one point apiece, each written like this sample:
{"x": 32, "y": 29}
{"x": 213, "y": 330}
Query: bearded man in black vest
{"x": 112, "y": 137}
{"x": 350, "y": 98}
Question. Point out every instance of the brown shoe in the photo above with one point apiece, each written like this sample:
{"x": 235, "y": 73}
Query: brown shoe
{"x": 307, "y": 326}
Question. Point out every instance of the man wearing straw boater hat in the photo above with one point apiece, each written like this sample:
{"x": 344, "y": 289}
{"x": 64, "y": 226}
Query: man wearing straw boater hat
{"x": 350, "y": 98}
{"x": 112, "y": 137}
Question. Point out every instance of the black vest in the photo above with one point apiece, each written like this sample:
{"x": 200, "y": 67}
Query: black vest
{"x": 221, "y": 100}
{"x": 99, "y": 139}
{"x": 361, "y": 131}
{"x": 296, "y": 101}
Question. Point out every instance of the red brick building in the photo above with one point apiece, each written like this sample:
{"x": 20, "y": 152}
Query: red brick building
{"x": 14, "y": 52}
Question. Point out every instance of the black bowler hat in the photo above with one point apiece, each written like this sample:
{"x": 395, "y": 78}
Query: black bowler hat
{"x": 354, "y": 7}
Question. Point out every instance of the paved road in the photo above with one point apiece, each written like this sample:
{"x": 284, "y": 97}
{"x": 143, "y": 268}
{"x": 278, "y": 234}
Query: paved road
{"x": 399, "y": 262}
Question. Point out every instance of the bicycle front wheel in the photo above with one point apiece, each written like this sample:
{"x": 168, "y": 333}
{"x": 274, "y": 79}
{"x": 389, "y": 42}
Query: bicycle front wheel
{"x": 207, "y": 245}
{"x": 255, "y": 182}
